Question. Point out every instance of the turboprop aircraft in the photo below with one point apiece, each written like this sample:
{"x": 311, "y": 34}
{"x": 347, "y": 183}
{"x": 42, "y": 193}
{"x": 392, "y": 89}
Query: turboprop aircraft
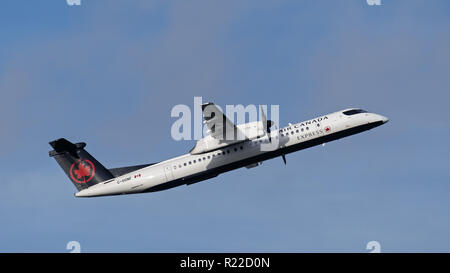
{"x": 227, "y": 147}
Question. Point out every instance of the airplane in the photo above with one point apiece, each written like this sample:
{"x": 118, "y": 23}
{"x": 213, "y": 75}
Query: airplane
{"x": 212, "y": 155}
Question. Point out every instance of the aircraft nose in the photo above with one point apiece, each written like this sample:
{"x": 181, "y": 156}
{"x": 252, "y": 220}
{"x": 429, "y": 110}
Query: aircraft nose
{"x": 384, "y": 119}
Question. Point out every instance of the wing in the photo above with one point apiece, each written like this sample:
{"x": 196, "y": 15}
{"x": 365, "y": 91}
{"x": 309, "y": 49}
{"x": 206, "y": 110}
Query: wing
{"x": 220, "y": 127}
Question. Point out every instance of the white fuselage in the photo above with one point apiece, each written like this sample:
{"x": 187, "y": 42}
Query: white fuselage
{"x": 188, "y": 168}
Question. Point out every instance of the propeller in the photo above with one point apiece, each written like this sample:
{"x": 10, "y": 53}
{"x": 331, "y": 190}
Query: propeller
{"x": 267, "y": 124}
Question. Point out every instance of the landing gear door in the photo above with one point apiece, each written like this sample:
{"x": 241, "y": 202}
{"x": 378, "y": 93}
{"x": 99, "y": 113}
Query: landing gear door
{"x": 168, "y": 172}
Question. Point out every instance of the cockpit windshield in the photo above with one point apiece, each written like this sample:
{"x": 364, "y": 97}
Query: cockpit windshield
{"x": 354, "y": 112}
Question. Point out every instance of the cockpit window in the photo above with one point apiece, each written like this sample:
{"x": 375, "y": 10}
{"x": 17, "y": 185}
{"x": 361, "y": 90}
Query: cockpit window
{"x": 354, "y": 112}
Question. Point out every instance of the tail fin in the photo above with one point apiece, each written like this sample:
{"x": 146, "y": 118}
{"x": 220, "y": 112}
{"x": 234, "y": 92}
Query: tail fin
{"x": 82, "y": 168}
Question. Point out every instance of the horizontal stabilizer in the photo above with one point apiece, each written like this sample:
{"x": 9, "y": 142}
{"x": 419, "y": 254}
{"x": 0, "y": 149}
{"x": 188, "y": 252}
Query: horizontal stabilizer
{"x": 63, "y": 145}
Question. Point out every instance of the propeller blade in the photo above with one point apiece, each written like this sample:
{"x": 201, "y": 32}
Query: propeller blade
{"x": 267, "y": 124}
{"x": 264, "y": 118}
{"x": 284, "y": 159}
{"x": 264, "y": 122}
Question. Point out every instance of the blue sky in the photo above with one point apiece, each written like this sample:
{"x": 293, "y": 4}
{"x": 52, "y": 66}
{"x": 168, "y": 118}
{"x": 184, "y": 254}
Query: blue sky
{"x": 109, "y": 72}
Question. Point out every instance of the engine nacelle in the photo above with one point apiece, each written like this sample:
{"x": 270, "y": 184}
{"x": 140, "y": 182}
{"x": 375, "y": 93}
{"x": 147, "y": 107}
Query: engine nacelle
{"x": 247, "y": 131}
{"x": 252, "y": 130}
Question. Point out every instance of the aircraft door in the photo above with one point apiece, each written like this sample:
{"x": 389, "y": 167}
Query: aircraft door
{"x": 168, "y": 172}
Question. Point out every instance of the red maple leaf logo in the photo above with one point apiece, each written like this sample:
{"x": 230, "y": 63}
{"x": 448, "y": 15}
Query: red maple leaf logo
{"x": 82, "y": 171}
